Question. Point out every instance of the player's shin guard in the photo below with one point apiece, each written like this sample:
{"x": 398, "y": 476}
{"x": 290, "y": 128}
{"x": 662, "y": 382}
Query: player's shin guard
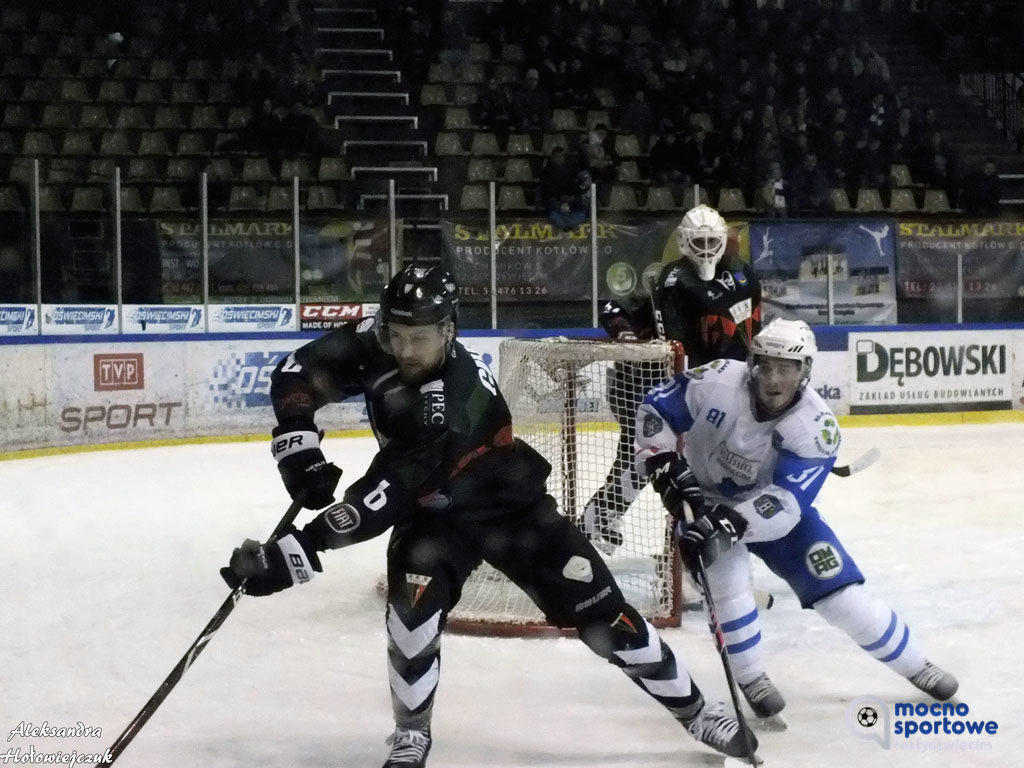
{"x": 632, "y": 643}
{"x": 874, "y": 627}
{"x": 414, "y": 664}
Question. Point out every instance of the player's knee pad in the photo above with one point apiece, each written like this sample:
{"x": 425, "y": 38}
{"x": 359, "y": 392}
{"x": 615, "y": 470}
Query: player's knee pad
{"x": 730, "y": 574}
{"x": 856, "y": 611}
{"x": 626, "y": 640}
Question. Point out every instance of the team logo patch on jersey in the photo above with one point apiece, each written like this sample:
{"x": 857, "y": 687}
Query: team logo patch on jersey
{"x": 826, "y": 438}
{"x": 652, "y": 425}
{"x": 622, "y": 621}
{"x": 578, "y": 569}
{"x": 823, "y": 560}
{"x": 342, "y": 517}
{"x": 416, "y": 584}
{"x": 767, "y": 506}
{"x": 740, "y": 278}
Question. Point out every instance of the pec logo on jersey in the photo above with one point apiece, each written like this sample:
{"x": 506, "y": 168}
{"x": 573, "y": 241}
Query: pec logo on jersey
{"x": 652, "y": 425}
{"x": 416, "y": 584}
{"x": 823, "y": 560}
{"x": 767, "y": 506}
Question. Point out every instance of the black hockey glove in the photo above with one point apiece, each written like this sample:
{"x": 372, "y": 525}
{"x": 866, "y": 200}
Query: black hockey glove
{"x": 616, "y": 321}
{"x": 271, "y": 567}
{"x": 296, "y": 446}
{"x": 673, "y": 479}
{"x": 711, "y": 533}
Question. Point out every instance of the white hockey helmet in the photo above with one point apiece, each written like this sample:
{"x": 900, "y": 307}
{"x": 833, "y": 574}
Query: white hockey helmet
{"x": 788, "y": 340}
{"x": 702, "y": 237}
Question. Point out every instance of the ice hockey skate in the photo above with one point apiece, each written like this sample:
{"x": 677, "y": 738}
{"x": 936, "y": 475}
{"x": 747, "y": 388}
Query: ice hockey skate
{"x": 765, "y": 701}
{"x": 603, "y": 529}
{"x": 711, "y": 726}
{"x": 936, "y": 682}
{"x": 409, "y": 748}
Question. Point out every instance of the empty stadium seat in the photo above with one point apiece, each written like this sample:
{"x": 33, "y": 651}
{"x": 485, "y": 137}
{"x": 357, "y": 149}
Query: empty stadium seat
{"x": 839, "y": 200}
{"x": 902, "y": 201}
{"x": 935, "y": 201}
{"x": 731, "y": 199}
{"x": 165, "y": 199}
{"x": 622, "y": 198}
{"x": 518, "y": 169}
{"x": 475, "y": 197}
{"x": 481, "y": 169}
{"x": 322, "y": 198}
{"x": 484, "y": 143}
{"x": 245, "y": 197}
{"x": 447, "y": 144}
{"x": 87, "y": 200}
{"x": 868, "y": 200}
{"x": 512, "y": 197}
{"x": 660, "y": 199}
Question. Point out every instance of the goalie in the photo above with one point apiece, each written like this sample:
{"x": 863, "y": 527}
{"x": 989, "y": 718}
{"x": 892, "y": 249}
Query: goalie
{"x": 456, "y": 488}
{"x": 712, "y": 306}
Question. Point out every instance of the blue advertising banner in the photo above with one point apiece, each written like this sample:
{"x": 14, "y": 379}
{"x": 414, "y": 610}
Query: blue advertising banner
{"x": 791, "y": 260}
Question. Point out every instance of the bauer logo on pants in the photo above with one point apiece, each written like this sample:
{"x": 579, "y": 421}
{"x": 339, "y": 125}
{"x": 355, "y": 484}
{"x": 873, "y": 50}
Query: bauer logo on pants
{"x": 823, "y": 560}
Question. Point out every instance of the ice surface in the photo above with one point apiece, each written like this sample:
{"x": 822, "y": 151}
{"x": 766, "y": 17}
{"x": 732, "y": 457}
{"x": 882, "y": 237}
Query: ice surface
{"x": 109, "y": 571}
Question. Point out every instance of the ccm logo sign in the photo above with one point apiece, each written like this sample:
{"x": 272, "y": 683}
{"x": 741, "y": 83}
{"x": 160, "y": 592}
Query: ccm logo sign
{"x": 117, "y": 372}
{"x": 332, "y": 311}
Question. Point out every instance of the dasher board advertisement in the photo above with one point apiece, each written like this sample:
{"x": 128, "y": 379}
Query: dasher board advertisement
{"x": 930, "y": 371}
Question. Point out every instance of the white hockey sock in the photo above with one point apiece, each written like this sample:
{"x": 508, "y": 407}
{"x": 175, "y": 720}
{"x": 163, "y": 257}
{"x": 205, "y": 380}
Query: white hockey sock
{"x": 874, "y": 627}
{"x": 741, "y": 627}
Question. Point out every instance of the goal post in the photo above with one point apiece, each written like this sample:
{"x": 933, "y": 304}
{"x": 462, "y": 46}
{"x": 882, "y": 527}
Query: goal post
{"x": 567, "y": 397}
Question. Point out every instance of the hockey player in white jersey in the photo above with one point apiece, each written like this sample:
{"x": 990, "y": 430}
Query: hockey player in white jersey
{"x": 747, "y": 447}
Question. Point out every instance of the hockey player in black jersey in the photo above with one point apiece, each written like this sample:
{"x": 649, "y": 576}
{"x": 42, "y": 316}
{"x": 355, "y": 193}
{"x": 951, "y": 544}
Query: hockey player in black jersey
{"x": 457, "y": 488}
{"x": 710, "y": 305}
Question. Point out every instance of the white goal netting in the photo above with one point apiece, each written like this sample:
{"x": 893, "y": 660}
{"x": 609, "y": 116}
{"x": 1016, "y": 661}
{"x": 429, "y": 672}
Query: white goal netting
{"x": 567, "y": 398}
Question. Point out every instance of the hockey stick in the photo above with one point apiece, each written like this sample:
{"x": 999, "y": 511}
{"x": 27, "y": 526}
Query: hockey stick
{"x": 192, "y": 653}
{"x": 859, "y": 464}
{"x": 723, "y": 652}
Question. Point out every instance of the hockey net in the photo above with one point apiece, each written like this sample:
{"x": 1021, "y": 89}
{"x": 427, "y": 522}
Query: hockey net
{"x": 564, "y": 395}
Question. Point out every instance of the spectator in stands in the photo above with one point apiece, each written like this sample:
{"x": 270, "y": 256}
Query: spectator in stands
{"x": 982, "y": 191}
{"x": 770, "y": 195}
{"x": 557, "y": 178}
{"x": 836, "y": 159}
{"x": 875, "y": 116}
{"x": 938, "y": 166}
{"x": 666, "y": 156}
{"x": 453, "y": 43}
{"x": 578, "y": 90}
{"x": 596, "y": 153}
{"x": 414, "y": 49}
{"x": 768, "y": 151}
{"x": 637, "y": 118}
{"x": 903, "y": 139}
{"x": 531, "y": 106}
{"x": 808, "y": 188}
{"x": 701, "y": 157}
{"x": 737, "y": 166}
{"x": 300, "y": 131}
{"x": 496, "y": 110}
{"x": 263, "y": 132}
{"x": 873, "y": 165}
{"x": 573, "y": 207}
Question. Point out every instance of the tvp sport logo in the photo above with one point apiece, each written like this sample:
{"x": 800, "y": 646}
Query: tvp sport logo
{"x": 920, "y": 727}
{"x": 17, "y": 319}
{"x": 116, "y": 372}
{"x": 243, "y": 381}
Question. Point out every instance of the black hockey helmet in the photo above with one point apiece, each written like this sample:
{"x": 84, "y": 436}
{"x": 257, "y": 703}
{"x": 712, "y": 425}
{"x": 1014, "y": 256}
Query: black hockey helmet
{"x": 420, "y": 295}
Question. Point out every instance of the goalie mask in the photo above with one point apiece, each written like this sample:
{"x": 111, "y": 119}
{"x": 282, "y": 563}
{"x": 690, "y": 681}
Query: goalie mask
{"x": 702, "y": 236}
{"x": 419, "y": 296}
